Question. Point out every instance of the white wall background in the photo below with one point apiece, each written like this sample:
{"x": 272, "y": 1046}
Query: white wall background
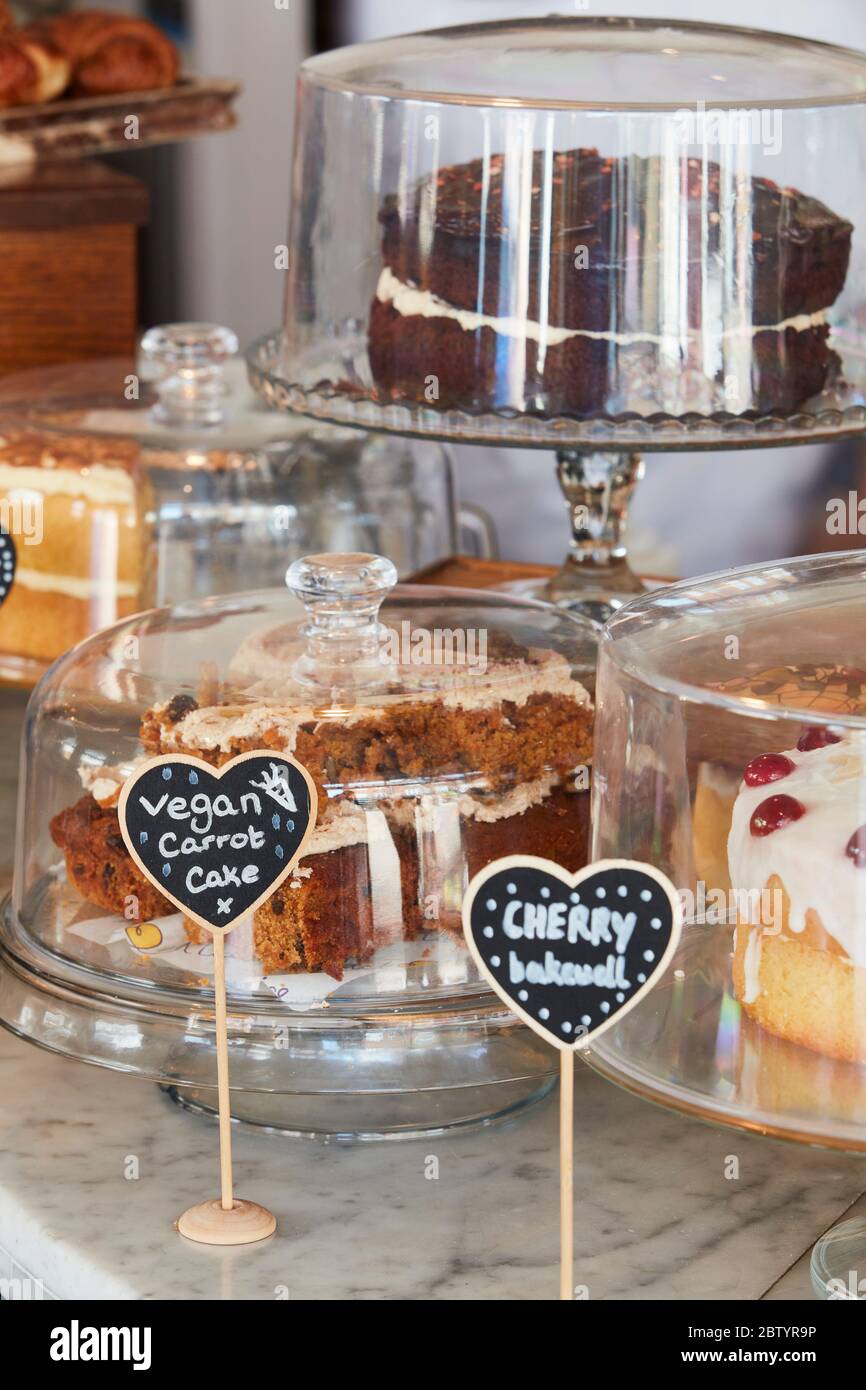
{"x": 234, "y": 189}
{"x": 836, "y": 21}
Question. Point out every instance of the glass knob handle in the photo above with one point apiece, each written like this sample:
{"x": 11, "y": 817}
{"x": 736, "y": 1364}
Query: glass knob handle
{"x": 190, "y": 360}
{"x": 342, "y": 595}
{"x": 326, "y": 582}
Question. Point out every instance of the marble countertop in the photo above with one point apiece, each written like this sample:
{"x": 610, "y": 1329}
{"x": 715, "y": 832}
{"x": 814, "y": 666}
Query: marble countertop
{"x": 95, "y": 1167}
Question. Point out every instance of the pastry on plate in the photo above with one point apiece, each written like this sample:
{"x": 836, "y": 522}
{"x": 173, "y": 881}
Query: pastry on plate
{"x": 109, "y": 53}
{"x": 32, "y": 68}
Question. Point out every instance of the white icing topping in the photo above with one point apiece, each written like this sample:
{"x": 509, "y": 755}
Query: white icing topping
{"x": 267, "y": 659}
{"x": 516, "y": 681}
{"x": 104, "y": 781}
{"x": 337, "y": 830}
{"x": 410, "y": 301}
{"x": 218, "y": 727}
{"x": 104, "y": 790}
{"x": 808, "y": 856}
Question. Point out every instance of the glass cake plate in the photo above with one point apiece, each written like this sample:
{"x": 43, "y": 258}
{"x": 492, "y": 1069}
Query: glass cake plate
{"x": 443, "y": 729}
{"x": 730, "y": 751}
{"x": 668, "y": 259}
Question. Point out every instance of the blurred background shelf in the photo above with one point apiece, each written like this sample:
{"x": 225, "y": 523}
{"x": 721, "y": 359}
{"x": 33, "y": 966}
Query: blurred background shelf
{"x": 70, "y": 128}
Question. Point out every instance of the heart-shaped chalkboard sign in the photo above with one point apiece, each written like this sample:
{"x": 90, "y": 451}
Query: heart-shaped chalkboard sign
{"x": 570, "y": 953}
{"x": 217, "y": 842}
{"x": 8, "y": 565}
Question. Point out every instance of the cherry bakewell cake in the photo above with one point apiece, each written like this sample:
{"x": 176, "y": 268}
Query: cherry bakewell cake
{"x": 71, "y": 507}
{"x": 821, "y": 689}
{"x": 798, "y": 835}
{"x": 451, "y": 326}
{"x": 416, "y": 794}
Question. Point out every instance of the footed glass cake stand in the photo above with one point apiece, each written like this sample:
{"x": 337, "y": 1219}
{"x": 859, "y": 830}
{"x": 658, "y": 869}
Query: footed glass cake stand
{"x": 670, "y": 261}
{"x": 598, "y": 483}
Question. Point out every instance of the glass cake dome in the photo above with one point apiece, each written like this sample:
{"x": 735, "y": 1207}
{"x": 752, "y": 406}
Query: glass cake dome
{"x": 156, "y": 481}
{"x": 730, "y": 752}
{"x": 442, "y": 729}
{"x": 578, "y": 231}
{"x": 600, "y": 236}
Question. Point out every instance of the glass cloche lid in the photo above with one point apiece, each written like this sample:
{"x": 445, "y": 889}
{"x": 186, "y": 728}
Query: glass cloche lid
{"x": 578, "y": 231}
{"x": 184, "y": 398}
{"x": 230, "y": 492}
{"x": 730, "y": 750}
{"x": 441, "y": 728}
{"x": 606, "y": 62}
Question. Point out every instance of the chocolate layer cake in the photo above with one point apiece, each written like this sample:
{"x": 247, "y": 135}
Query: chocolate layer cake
{"x": 535, "y": 298}
{"x": 416, "y": 793}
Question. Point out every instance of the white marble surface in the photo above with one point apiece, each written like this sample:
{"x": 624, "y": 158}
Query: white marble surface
{"x": 655, "y": 1215}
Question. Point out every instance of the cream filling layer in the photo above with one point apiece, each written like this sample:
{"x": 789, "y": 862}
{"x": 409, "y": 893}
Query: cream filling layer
{"x": 411, "y": 302}
{"x": 71, "y": 587}
{"x": 95, "y": 482}
{"x": 512, "y": 803}
{"x": 221, "y": 726}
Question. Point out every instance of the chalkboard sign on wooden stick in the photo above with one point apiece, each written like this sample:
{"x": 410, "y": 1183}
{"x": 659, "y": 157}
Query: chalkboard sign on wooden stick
{"x": 570, "y": 954}
{"x": 217, "y": 842}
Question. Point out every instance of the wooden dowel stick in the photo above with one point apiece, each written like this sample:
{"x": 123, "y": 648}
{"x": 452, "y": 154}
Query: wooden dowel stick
{"x": 225, "y": 1222}
{"x": 566, "y": 1175}
{"x": 222, "y": 1043}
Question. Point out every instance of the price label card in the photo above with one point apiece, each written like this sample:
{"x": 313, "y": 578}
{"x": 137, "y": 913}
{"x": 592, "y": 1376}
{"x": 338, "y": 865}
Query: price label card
{"x": 570, "y": 953}
{"x": 217, "y": 841}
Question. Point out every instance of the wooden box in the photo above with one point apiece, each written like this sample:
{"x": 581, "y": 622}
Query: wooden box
{"x": 68, "y": 263}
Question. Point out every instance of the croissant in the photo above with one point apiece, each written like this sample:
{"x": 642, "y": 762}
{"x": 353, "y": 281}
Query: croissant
{"x": 30, "y": 70}
{"x": 110, "y": 53}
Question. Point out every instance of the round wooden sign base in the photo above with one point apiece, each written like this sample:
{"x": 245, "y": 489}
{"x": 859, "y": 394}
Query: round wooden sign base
{"x": 243, "y": 1224}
